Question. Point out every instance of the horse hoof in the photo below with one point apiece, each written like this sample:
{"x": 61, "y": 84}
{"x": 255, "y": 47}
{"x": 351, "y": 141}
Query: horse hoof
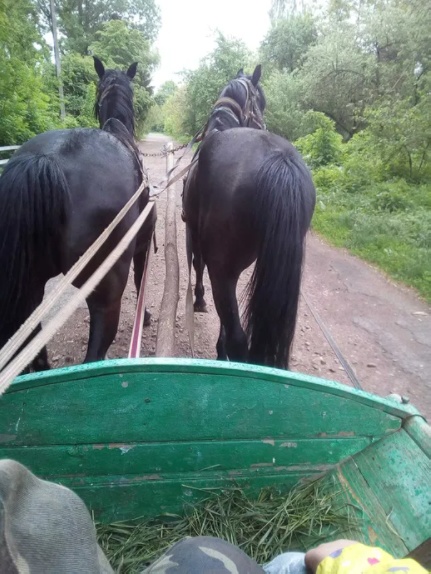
{"x": 147, "y": 318}
{"x": 200, "y": 307}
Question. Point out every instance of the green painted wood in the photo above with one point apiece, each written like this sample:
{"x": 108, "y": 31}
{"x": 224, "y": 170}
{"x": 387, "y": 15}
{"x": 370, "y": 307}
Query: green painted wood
{"x": 399, "y": 472}
{"x": 364, "y": 503}
{"x": 136, "y": 497}
{"x": 139, "y": 438}
{"x": 390, "y": 481}
{"x": 139, "y": 405}
{"x": 224, "y": 370}
{"x": 420, "y": 432}
{"x": 175, "y": 457}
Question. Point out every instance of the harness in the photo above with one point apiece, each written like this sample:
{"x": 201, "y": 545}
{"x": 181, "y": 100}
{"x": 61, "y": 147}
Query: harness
{"x": 251, "y": 112}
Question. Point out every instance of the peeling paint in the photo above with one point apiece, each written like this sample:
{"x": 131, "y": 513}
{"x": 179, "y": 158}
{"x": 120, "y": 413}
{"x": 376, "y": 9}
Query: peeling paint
{"x": 7, "y": 437}
{"x": 125, "y": 449}
{"x": 270, "y": 441}
{"x": 261, "y": 464}
{"x": 142, "y": 477}
{"x": 341, "y": 434}
{"x": 121, "y": 445}
{"x": 124, "y": 384}
{"x": 289, "y": 445}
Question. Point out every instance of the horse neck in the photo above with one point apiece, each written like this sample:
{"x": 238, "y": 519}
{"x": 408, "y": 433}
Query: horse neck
{"x": 116, "y": 116}
{"x": 223, "y": 117}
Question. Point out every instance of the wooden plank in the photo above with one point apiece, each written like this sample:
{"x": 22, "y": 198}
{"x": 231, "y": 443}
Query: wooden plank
{"x": 157, "y": 407}
{"x": 165, "y": 344}
{"x": 224, "y": 370}
{"x": 390, "y": 484}
{"x": 203, "y": 458}
{"x": 375, "y": 529}
{"x": 420, "y": 432}
{"x": 146, "y": 497}
{"x": 399, "y": 472}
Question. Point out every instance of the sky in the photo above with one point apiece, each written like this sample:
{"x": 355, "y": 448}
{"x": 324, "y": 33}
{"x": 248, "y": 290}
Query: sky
{"x": 189, "y": 26}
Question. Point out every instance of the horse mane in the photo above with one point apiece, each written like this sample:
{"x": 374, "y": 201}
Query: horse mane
{"x": 114, "y": 108}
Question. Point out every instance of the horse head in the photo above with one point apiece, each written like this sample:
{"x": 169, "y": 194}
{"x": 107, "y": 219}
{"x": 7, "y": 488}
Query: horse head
{"x": 241, "y": 103}
{"x": 114, "y": 98}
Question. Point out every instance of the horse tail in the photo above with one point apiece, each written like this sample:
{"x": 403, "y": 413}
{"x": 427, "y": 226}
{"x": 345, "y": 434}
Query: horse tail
{"x": 282, "y": 213}
{"x": 34, "y": 200}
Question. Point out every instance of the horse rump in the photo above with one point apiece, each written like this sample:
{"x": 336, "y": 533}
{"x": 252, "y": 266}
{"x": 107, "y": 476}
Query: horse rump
{"x": 34, "y": 205}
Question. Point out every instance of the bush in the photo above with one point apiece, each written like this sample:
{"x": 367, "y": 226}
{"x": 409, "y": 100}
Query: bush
{"x": 323, "y": 146}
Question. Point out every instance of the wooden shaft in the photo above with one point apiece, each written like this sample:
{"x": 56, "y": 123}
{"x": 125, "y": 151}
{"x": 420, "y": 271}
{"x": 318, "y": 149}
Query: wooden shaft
{"x": 165, "y": 346}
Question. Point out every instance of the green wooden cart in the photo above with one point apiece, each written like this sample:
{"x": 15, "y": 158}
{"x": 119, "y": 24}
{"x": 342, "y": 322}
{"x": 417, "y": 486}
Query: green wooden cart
{"x": 141, "y": 437}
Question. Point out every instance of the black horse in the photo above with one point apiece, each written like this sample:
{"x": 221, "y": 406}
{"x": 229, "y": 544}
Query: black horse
{"x": 250, "y": 197}
{"x": 59, "y": 191}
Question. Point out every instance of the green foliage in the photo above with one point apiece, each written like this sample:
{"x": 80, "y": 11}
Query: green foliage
{"x": 284, "y": 114}
{"x": 401, "y": 136}
{"x": 25, "y": 106}
{"x": 323, "y": 146}
{"x": 79, "y": 84}
{"x": 387, "y": 223}
{"x": 165, "y": 91}
{"x": 174, "y": 114}
{"x": 203, "y": 85}
{"x": 154, "y": 120}
{"x": 80, "y": 20}
{"x": 285, "y": 46}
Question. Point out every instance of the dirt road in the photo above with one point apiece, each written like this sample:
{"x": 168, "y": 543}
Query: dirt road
{"x": 383, "y": 330}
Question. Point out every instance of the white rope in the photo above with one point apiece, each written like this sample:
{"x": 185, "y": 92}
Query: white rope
{"x": 16, "y": 366}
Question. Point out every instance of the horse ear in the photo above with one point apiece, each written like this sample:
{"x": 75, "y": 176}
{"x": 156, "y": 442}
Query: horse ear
{"x": 256, "y": 75}
{"x": 240, "y": 73}
{"x": 131, "y": 72}
{"x": 99, "y": 67}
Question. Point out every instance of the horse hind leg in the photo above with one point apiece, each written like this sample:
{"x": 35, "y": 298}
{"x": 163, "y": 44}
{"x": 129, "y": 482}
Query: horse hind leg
{"x": 221, "y": 344}
{"x": 232, "y": 342}
{"x": 199, "y": 305}
{"x": 104, "y": 305}
{"x": 142, "y": 251}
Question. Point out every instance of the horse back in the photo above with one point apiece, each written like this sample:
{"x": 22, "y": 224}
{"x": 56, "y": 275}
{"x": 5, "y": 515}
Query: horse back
{"x": 102, "y": 174}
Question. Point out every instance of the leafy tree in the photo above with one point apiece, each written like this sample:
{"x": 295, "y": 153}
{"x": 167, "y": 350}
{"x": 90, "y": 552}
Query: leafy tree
{"x": 174, "y": 114}
{"x": 165, "y": 91}
{"x": 25, "y": 107}
{"x": 337, "y": 79}
{"x": 400, "y": 135}
{"x": 284, "y": 113}
{"x": 286, "y": 44}
{"x": 80, "y": 20}
{"x": 205, "y": 83}
{"x": 79, "y": 84}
